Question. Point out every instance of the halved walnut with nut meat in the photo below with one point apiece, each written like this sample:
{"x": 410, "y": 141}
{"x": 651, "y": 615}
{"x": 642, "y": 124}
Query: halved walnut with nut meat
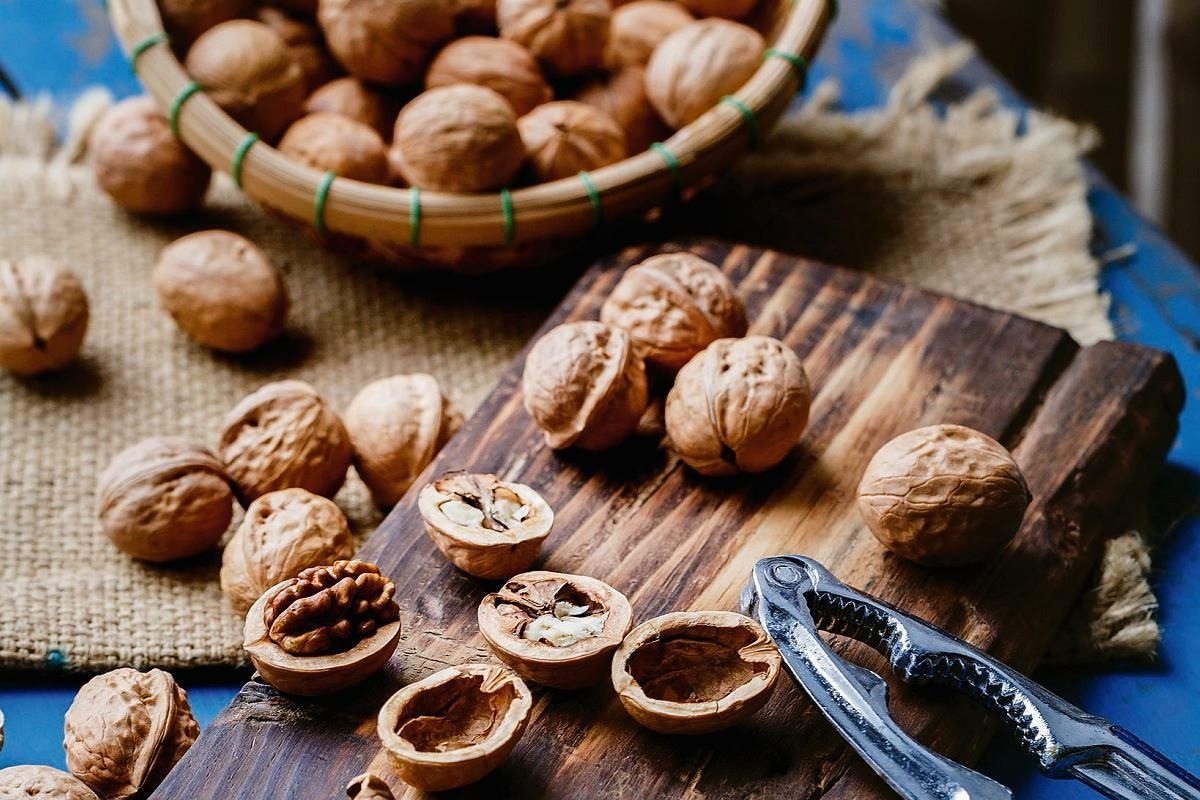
{"x": 555, "y": 629}
{"x": 486, "y": 527}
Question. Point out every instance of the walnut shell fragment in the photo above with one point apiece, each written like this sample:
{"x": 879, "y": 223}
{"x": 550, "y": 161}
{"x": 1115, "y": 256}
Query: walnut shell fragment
{"x": 369, "y": 786}
{"x": 337, "y": 144}
{"x": 385, "y": 41}
{"x": 43, "y": 315}
{"x": 455, "y": 726}
{"x": 943, "y": 495}
{"x": 126, "y": 729}
{"x": 31, "y": 782}
{"x": 568, "y": 36}
{"x": 501, "y": 65}
{"x": 555, "y": 629}
{"x": 739, "y": 405}
{"x": 694, "y": 67}
{"x": 695, "y": 671}
{"x": 567, "y": 137}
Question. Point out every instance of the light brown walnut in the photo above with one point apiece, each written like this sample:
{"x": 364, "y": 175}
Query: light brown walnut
{"x": 385, "y": 41}
{"x": 694, "y": 67}
{"x": 307, "y": 45}
{"x": 622, "y": 95}
{"x": 566, "y": 137}
{"x": 568, "y": 36}
{"x": 185, "y": 20}
{"x": 369, "y": 786}
{"x": 639, "y": 27}
{"x": 501, "y": 65}
{"x": 331, "y": 142}
{"x": 42, "y": 783}
{"x": 43, "y": 315}
{"x": 361, "y": 102}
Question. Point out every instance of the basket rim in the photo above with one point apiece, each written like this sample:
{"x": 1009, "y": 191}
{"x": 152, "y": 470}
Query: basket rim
{"x": 406, "y": 216}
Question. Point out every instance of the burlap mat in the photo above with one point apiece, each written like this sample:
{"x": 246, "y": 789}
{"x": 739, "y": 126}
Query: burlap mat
{"x": 962, "y": 205}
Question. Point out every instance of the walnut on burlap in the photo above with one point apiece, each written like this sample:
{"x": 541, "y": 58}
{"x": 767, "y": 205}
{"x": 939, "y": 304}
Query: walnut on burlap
{"x": 986, "y": 214}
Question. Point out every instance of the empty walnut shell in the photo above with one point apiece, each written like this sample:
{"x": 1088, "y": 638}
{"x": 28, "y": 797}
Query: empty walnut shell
{"x": 555, "y": 629}
{"x": 455, "y": 726}
{"x": 622, "y": 95}
{"x": 695, "y": 671}
{"x": 694, "y": 67}
{"x": 282, "y": 534}
{"x": 943, "y": 495}
{"x": 639, "y": 27}
{"x": 126, "y": 729}
{"x": 568, "y": 36}
{"x": 333, "y": 143}
{"x": 384, "y": 41}
{"x": 324, "y": 630}
{"x": 501, "y": 65}
{"x": 282, "y": 436}
{"x": 43, "y": 315}
{"x": 566, "y": 137}
{"x": 674, "y": 305}
{"x": 307, "y": 46}
{"x": 42, "y": 783}
{"x": 486, "y": 527}
{"x": 585, "y": 385}
{"x": 352, "y": 98}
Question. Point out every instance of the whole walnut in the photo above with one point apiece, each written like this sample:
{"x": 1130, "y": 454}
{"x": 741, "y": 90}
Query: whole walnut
{"x": 568, "y": 36}
{"x": 622, "y": 95}
{"x": 499, "y": 64}
{"x": 163, "y": 499}
{"x": 281, "y": 436}
{"x": 41, "y": 783}
{"x": 639, "y": 27}
{"x": 943, "y": 495}
{"x": 475, "y": 16}
{"x": 126, "y": 729}
{"x": 307, "y": 45}
{"x": 185, "y": 20}
{"x": 458, "y": 139}
{"x": 674, "y": 305}
{"x": 730, "y": 9}
{"x": 247, "y": 69}
{"x": 338, "y": 144}
{"x": 397, "y": 425}
{"x": 585, "y": 385}
{"x": 140, "y": 163}
{"x": 352, "y": 98}
{"x": 697, "y": 65}
{"x": 283, "y": 533}
{"x": 385, "y": 41}
{"x": 566, "y": 136}
{"x": 740, "y": 405}
{"x": 43, "y": 315}
{"x": 221, "y": 290}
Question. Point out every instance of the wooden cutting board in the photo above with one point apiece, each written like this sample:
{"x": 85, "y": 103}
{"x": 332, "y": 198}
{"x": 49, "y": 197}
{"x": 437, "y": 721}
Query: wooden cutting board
{"x": 1088, "y": 426}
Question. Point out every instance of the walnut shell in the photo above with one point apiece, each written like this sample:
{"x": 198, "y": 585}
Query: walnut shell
{"x": 455, "y": 726}
{"x": 42, "y": 783}
{"x": 185, "y": 20}
{"x": 385, "y": 41}
{"x": 221, "y": 290}
{"x": 729, "y": 9}
{"x": 486, "y": 527}
{"x": 695, "y": 671}
{"x": 281, "y": 436}
{"x": 396, "y": 426}
{"x": 674, "y": 305}
{"x": 555, "y": 629}
{"x": 501, "y": 65}
{"x": 475, "y": 16}
{"x": 126, "y": 729}
{"x": 458, "y": 138}
{"x": 306, "y": 8}
{"x": 565, "y": 137}
{"x": 339, "y": 144}
{"x": 622, "y": 95}
{"x": 694, "y": 67}
{"x": 369, "y": 786}
{"x": 943, "y": 495}
{"x": 639, "y": 27}
{"x": 740, "y": 405}
{"x": 163, "y": 499}
{"x": 282, "y": 534}
{"x": 140, "y": 163}
{"x": 307, "y": 45}
{"x": 352, "y": 98}
{"x": 568, "y": 36}
{"x": 247, "y": 69}
{"x": 585, "y": 385}
{"x": 43, "y": 315}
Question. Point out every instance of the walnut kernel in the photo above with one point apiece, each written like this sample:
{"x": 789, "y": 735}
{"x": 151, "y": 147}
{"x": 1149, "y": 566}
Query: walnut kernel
{"x": 331, "y": 142}
{"x": 385, "y": 41}
{"x": 43, "y": 315}
{"x": 694, "y": 67}
{"x": 569, "y": 36}
{"x": 565, "y": 137}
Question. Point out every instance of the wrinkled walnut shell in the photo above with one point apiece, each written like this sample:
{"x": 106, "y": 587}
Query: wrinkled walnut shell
{"x": 568, "y": 36}
{"x": 567, "y": 137}
{"x": 185, "y": 20}
{"x": 695, "y": 671}
{"x": 384, "y": 41}
{"x": 639, "y": 27}
{"x": 486, "y": 527}
{"x": 501, "y": 65}
{"x": 581, "y": 657}
{"x": 352, "y": 98}
{"x": 331, "y": 142}
{"x": 622, "y": 95}
{"x": 943, "y": 495}
{"x": 42, "y": 783}
{"x": 455, "y": 726}
{"x": 585, "y": 385}
{"x": 694, "y": 67}
{"x": 306, "y": 44}
{"x": 43, "y": 315}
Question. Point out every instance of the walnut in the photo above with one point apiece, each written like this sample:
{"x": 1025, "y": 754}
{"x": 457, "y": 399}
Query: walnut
{"x": 163, "y": 499}
{"x": 486, "y": 527}
{"x": 564, "y": 137}
{"x": 385, "y": 41}
{"x": 306, "y": 8}
{"x": 221, "y": 290}
{"x": 43, "y": 315}
{"x": 247, "y": 69}
{"x": 458, "y": 139}
{"x": 674, "y": 305}
{"x": 140, "y": 163}
{"x": 943, "y": 495}
{"x": 568, "y": 36}
{"x": 126, "y": 729}
{"x": 622, "y": 95}
{"x": 282, "y": 436}
{"x": 352, "y": 98}
{"x": 328, "y": 628}
{"x": 639, "y": 27}
{"x": 369, "y": 786}
{"x": 729, "y": 9}
{"x": 339, "y": 144}
{"x": 455, "y": 726}
{"x": 695, "y": 671}
{"x": 694, "y": 67}
{"x": 283, "y": 533}
{"x": 499, "y": 64}
{"x": 585, "y": 385}
{"x": 739, "y": 406}
{"x": 185, "y": 20}
{"x": 42, "y": 783}
{"x": 475, "y": 16}
{"x": 304, "y": 40}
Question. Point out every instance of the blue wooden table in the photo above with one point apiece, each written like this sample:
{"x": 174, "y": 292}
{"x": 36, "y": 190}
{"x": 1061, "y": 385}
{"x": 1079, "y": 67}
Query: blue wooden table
{"x": 60, "y": 46}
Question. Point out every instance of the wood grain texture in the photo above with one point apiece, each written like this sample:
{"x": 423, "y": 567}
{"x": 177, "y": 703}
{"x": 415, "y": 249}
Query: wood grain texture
{"x": 1088, "y": 428}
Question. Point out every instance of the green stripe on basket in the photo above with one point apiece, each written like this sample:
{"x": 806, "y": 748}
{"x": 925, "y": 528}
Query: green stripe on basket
{"x": 672, "y": 165}
{"x": 319, "y": 200}
{"x": 593, "y": 198}
{"x": 239, "y": 158}
{"x": 799, "y": 63}
{"x": 414, "y": 216}
{"x": 185, "y": 93}
{"x": 138, "y": 50}
{"x": 747, "y": 117}
{"x": 510, "y": 222}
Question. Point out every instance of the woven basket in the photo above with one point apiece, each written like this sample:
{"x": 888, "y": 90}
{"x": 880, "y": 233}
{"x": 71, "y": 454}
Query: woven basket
{"x": 473, "y": 232}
